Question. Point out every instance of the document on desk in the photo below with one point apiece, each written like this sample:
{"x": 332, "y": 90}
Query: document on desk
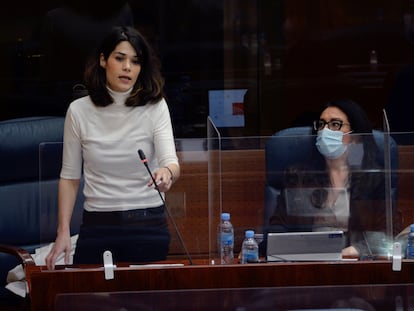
{"x": 161, "y": 265}
{"x": 142, "y": 266}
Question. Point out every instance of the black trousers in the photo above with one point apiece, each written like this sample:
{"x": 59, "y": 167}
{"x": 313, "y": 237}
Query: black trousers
{"x": 135, "y": 236}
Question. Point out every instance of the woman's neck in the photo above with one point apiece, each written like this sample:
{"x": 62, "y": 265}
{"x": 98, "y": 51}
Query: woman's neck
{"x": 338, "y": 171}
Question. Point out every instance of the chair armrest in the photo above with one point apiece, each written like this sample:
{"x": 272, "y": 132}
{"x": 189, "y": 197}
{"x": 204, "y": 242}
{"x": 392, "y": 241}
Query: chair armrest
{"x": 24, "y": 257}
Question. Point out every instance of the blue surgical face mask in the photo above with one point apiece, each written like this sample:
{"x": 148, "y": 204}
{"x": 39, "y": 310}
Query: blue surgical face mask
{"x": 329, "y": 143}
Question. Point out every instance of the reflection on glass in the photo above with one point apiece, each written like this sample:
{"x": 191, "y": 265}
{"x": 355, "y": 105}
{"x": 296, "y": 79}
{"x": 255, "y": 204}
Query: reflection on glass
{"x": 312, "y": 195}
{"x": 328, "y": 206}
{"x": 254, "y": 180}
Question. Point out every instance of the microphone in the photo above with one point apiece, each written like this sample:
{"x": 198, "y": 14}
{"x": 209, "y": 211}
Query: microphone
{"x": 143, "y": 157}
{"x": 144, "y": 161}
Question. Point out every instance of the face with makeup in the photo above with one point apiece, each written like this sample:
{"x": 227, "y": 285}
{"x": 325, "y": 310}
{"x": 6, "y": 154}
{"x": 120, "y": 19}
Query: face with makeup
{"x": 122, "y": 67}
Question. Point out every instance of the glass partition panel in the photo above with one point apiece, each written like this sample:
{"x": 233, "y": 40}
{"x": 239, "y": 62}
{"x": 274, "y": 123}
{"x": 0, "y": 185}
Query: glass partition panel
{"x": 405, "y": 178}
{"x": 243, "y": 185}
{"x": 214, "y": 189}
{"x": 236, "y": 185}
{"x": 386, "y": 148}
{"x": 351, "y": 188}
{"x": 271, "y": 184}
{"x": 186, "y": 202}
{"x": 281, "y": 184}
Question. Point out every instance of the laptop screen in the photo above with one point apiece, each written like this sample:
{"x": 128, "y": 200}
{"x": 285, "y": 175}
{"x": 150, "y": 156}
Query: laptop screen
{"x": 305, "y": 246}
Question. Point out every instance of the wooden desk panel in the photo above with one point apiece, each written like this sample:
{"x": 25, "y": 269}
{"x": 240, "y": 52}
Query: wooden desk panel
{"x": 45, "y": 285}
{"x": 243, "y": 182}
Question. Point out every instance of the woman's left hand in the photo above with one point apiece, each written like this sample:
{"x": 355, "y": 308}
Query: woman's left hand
{"x": 163, "y": 179}
{"x": 350, "y": 252}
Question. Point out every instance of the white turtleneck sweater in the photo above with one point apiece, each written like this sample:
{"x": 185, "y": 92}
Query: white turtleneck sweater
{"x": 106, "y": 140}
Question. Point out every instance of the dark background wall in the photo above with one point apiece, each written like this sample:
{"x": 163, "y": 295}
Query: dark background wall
{"x": 291, "y": 55}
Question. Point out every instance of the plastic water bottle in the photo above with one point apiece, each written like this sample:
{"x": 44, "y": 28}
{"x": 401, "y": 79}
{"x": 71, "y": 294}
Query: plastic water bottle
{"x": 410, "y": 243}
{"x": 226, "y": 240}
{"x": 250, "y": 248}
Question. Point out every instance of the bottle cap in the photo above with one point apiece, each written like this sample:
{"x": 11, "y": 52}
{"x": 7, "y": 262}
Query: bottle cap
{"x": 225, "y": 216}
{"x": 249, "y": 233}
{"x": 412, "y": 228}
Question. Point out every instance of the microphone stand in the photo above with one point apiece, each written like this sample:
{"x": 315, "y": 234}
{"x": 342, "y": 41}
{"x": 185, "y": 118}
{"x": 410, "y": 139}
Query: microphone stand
{"x": 144, "y": 161}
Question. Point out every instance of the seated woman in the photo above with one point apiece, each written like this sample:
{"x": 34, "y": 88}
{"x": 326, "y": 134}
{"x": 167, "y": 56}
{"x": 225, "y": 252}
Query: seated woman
{"x": 345, "y": 183}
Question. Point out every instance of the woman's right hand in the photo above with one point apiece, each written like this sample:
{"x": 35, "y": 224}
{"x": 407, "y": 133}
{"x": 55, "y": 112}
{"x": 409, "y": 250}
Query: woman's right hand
{"x": 61, "y": 245}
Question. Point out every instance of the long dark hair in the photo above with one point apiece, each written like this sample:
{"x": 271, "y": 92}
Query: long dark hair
{"x": 362, "y": 180}
{"x": 149, "y": 86}
{"x": 313, "y": 173}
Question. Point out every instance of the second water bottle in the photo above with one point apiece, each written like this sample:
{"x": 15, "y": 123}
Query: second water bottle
{"x": 250, "y": 248}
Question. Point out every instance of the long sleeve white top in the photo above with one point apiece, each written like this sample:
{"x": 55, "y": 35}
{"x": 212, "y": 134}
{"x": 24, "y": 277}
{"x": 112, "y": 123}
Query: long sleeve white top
{"x": 102, "y": 142}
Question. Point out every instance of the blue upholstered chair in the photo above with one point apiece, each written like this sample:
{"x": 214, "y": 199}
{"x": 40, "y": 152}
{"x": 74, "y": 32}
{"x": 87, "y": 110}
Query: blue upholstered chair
{"x": 30, "y": 160}
{"x": 294, "y": 145}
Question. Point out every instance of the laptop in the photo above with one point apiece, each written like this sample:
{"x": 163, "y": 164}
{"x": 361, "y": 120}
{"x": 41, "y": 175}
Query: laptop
{"x": 305, "y": 246}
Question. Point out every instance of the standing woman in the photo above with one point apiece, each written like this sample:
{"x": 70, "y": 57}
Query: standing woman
{"x": 124, "y": 112}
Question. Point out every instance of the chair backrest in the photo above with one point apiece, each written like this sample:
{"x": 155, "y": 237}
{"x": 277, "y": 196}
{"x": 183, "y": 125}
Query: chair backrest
{"x": 20, "y": 208}
{"x": 19, "y": 178}
{"x": 294, "y": 145}
{"x": 24, "y": 200}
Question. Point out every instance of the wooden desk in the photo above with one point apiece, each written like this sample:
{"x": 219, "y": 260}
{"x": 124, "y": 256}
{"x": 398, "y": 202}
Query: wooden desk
{"x": 352, "y": 297}
{"x": 45, "y": 285}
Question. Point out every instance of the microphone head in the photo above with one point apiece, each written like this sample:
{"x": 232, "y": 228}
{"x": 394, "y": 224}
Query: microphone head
{"x": 141, "y": 155}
